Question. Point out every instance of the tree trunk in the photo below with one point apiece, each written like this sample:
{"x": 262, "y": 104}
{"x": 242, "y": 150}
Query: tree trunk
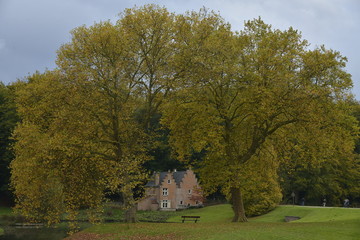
{"x": 238, "y": 205}
{"x": 130, "y": 215}
{"x": 130, "y": 208}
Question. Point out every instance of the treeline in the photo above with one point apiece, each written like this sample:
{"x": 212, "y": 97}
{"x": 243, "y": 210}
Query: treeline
{"x": 257, "y": 114}
{"x": 8, "y": 121}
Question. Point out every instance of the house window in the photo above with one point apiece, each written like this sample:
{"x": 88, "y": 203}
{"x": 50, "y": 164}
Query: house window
{"x": 181, "y": 202}
{"x": 165, "y": 204}
{"x": 165, "y": 192}
{"x": 169, "y": 181}
{"x": 189, "y": 191}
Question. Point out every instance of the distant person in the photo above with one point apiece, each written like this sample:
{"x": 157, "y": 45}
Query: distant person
{"x": 324, "y": 202}
{"x": 346, "y": 203}
{"x": 302, "y": 201}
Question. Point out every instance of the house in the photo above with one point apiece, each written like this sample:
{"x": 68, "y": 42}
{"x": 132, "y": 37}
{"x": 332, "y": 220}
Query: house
{"x": 171, "y": 191}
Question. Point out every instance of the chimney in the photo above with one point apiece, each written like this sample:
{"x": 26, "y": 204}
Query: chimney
{"x": 157, "y": 178}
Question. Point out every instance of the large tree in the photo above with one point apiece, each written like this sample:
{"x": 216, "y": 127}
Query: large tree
{"x": 100, "y": 103}
{"x": 243, "y": 91}
{"x": 85, "y": 123}
{"x": 55, "y": 169}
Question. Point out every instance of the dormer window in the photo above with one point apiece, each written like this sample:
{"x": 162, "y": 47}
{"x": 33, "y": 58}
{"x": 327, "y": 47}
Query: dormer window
{"x": 169, "y": 181}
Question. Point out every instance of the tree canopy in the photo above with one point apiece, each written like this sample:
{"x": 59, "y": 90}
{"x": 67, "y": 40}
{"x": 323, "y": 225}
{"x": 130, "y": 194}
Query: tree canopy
{"x": 244, "y": 91}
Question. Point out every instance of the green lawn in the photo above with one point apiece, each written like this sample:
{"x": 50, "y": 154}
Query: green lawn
{"x": 217, "y": 213}
{"x": 315, "y": 223}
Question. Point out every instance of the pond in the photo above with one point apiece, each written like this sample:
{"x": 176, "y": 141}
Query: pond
{"x": 15, "y": 233}
{"x": 40, "y": 233}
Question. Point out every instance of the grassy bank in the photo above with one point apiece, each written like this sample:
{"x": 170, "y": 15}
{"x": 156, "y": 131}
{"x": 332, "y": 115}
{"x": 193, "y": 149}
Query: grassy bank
{"x": 110, "y": 214}
{"x": 315, "y": 223}
{"x": 5, "y": 211}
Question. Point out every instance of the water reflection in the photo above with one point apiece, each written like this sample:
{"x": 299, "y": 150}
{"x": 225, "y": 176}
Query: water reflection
{"x": 13, "y": 233}
{"x": 41, "y": 233}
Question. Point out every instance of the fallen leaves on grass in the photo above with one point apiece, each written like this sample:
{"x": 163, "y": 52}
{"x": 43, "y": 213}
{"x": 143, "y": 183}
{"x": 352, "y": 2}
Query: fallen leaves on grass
{"x": 95, "y": 236}
{"x": 146, "y": 237}
{"x": 88, "y": 236}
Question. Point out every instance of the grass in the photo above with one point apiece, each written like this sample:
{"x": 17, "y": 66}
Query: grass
{"x": 315, "y": 223}
{"x": 8, "y": 217}
{"x": 217, "y": 213}
{"x": 5, "y": 211}
{"x": 116, "y": 214}
{"x": 311, "y": 214}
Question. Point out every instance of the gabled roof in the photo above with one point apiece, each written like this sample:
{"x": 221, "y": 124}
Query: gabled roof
{"x": 162, "y": 176}
{"x": 178, "y": 176}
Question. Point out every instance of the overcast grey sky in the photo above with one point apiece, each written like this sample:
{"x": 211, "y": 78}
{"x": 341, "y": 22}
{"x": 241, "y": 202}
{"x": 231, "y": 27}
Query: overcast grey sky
{"x": 31, "y": 31}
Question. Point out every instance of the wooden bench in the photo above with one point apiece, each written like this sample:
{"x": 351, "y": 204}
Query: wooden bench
{"x": 190, "y": 218}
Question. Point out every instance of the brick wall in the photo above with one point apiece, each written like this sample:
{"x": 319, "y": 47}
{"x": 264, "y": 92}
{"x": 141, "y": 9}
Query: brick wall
{"x": 186, "y": 192}
{"x": 169, "y": 184}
